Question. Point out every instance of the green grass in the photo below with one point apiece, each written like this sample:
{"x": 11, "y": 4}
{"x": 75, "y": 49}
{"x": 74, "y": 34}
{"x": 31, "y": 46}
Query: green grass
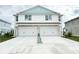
{"x": 4, "y": 38}
{"x": 75, "y": 38}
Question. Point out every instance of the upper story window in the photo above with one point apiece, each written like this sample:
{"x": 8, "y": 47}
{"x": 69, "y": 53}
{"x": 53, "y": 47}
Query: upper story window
{"x": 16, "y": 18}
{"x": 48, "y": 17}
{"x": 28, "y": 17}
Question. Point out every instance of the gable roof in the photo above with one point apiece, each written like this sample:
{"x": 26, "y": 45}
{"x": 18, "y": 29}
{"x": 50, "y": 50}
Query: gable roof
{"x": 38, "y": 10}
{"x": 72, "y": 19}
{"x": 4, "y": 21}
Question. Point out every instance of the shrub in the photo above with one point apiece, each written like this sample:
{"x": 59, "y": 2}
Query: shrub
{"x": 68, "y": 34}
{"x": 8, "y": 34}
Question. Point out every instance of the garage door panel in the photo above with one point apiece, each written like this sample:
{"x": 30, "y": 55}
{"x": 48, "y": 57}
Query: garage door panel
{"x": 27, "y": 31}
{"x": 49, "y": 31}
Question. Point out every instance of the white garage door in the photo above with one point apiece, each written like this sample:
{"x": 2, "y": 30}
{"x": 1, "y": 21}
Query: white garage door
{"x": 43, "y": 30}
{"x": 27, "y": 31}
{"x": 49, "y": 31}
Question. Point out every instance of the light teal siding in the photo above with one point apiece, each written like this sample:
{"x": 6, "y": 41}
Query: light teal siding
{"x": 38, "y": 10}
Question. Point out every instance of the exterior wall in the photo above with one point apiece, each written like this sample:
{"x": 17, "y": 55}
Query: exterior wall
{"x": 4, "y": 27}
{"x": 38, "y": 18}
{"x": 73, "y": 26}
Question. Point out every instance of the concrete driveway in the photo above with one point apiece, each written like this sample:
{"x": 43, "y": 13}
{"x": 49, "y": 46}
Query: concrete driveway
{"x": 50, "y": 45}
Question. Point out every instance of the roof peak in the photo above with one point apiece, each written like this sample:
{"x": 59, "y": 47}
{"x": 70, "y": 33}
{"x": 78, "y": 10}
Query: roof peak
{"x": 4, "y": 21}
{"x": 47, "y": 9}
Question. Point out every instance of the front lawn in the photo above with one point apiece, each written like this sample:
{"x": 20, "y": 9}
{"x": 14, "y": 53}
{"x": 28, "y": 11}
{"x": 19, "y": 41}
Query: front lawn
{"x": 75, "y": 38}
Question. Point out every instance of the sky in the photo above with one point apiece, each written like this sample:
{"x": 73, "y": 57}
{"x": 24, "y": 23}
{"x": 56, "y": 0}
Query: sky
{"x": 68, "y": 11}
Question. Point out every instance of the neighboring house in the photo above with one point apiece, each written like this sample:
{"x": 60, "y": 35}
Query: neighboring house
{"x": 36, "y": 20}
{"x": 4, "y": 26}
{"x": 73, "y": 26}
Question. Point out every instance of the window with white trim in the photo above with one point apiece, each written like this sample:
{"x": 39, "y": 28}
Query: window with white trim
{"x": 28, "y": 17}
{"x": 16, "y": 18}
{"x": 48, "y": 17}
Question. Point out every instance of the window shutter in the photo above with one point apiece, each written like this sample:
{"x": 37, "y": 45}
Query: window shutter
{"x": 16, "y": 18}
{"x": 46, "y": 17}
{"x": 29, "y": 17}
{"x": 26, "y": 17}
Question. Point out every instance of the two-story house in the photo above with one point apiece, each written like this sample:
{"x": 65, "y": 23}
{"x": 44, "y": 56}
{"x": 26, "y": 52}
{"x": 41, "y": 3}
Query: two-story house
{"x": 4, "y": 26}
{"x": 73, "y": 26}
{"x": 36, "y": 20}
